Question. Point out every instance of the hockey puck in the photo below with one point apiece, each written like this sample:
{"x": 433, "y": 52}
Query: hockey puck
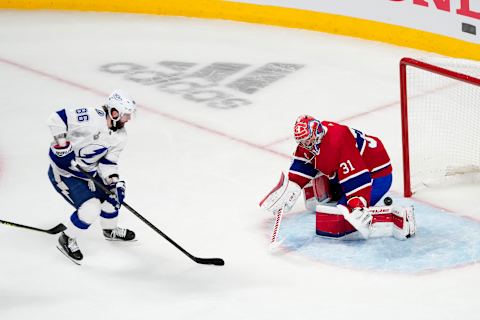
{"x": 388, "y": 201}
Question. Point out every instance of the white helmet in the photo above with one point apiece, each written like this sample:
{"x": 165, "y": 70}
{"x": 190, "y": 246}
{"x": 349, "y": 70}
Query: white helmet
{"x": 120, "y": 102}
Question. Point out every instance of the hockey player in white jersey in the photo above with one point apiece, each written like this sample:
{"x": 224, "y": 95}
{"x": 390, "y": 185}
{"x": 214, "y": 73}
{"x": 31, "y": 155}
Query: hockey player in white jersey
{"x": 91, "y": 138}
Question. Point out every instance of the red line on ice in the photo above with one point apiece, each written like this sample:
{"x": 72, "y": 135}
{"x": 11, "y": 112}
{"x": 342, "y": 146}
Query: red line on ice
{"x": 355, "y": 116}
{"x": 146, "y": 108}
{"x": 183, "y": 121}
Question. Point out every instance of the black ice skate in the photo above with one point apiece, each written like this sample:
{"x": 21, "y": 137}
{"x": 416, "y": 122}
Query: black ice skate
{"x": 68, "y": 246}
{"x": 119, "y": 234}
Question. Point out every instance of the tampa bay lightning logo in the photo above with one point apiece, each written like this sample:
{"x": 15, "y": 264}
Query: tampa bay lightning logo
{"x": 92, "y": 153}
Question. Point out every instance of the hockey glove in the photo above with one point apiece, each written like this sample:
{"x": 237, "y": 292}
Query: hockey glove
{"x": 118, "y": 190}
{"x": 62, "y": 156}
{"x": 284, "y": 195}
{"x": 358, "y": 215}
{"x": 356, "y": 203}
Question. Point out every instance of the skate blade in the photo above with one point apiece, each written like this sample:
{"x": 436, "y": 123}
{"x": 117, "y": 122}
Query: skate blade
{"x": 120, "y": 240}
{"x": 69, "y": 258}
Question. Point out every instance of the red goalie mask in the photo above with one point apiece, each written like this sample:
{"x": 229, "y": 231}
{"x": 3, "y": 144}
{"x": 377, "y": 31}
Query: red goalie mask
{"x": 308, "y": 133}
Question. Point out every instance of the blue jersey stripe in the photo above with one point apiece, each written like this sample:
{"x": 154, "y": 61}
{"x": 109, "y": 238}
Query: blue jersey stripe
{"x": 360, "y": 140}
{"x": 106, "y": 161}
{"x": 357, "y": 182}
{"x": 77, "y": 222}
{"x": 63, "y": 115}
{"x": 109, "y": 215}
{"x": 303, "y": 167}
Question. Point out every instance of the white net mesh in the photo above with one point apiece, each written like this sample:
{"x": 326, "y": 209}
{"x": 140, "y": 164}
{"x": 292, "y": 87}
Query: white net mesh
{"x": 444, "y": 124}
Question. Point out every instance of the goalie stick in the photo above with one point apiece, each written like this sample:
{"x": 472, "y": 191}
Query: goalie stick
{"x": 214, "y": 261}
{"x": 274, "y": 243}
{"x": 57, "y": 229}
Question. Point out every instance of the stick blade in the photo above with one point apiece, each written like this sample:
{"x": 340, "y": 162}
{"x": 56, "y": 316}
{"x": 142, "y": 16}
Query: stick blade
{"x": 57, "y": 229}
{"x": 275, "y": 247}
{"x": 214, "y": 261}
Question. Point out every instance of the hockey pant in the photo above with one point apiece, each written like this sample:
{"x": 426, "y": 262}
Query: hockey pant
{"x": 89, "y": 202}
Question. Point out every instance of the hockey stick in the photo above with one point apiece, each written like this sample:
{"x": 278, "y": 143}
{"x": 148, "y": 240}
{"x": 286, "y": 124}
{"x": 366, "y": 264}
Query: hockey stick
{"x": 214, "y": 261}
{"x": 274, "y": 243}
{"x": 57, "y": 229}
{"x": 269, "y": 201}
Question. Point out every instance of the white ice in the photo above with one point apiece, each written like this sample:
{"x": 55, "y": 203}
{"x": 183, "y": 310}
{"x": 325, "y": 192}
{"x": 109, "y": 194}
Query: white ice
{"x": 198, "y": 174}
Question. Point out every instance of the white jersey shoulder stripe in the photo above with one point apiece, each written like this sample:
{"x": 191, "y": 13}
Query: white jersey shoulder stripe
{"x": 353, "y": 176}
{"x": 359, "y": 188}
{"x": 381, "y": 167}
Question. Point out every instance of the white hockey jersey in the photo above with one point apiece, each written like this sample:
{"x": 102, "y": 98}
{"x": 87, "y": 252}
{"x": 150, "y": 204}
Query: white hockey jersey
{"x": 96, "y": 147}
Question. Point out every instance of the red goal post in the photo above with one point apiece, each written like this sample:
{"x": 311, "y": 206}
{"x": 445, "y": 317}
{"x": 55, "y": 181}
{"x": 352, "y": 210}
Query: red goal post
{"x": 440, "y": 102}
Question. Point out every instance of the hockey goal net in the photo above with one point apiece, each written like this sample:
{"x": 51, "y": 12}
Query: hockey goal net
{"x": 440, "y": 105}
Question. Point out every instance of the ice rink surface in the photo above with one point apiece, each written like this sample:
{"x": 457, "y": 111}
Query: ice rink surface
{"x": 204, "y": 149}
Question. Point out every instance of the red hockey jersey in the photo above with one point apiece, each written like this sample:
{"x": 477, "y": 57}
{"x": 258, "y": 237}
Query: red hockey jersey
{"x": 348, "y": 154}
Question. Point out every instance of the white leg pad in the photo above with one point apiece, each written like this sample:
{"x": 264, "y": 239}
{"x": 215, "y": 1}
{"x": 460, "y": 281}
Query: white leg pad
{"x": 386, "y": 221}
{"x": 382, "y": 225}
{"x": 404, "y": 225}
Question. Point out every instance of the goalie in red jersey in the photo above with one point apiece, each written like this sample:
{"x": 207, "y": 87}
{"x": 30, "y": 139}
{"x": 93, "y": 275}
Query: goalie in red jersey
{"x": 333, "y": 162}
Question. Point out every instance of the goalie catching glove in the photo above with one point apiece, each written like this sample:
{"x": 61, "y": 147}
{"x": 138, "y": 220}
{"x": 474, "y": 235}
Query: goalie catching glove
{"x": 284, "y": 195}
